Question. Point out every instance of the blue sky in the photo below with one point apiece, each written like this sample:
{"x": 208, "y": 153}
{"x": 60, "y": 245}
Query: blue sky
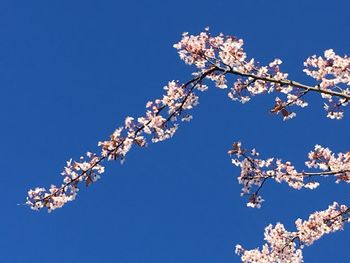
{"x": 71, "y": 71}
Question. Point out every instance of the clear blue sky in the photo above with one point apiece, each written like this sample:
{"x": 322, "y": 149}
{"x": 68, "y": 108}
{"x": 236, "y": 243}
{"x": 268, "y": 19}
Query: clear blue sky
{"x": 71, "y": 71}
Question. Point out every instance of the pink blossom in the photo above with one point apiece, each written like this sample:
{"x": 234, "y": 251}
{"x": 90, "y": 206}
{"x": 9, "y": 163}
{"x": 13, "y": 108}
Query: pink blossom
{"x": 255, "y": 172}
{"x": 285, "y": 246}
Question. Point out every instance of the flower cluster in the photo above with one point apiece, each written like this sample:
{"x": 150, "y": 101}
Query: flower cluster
{"x": 285, "y": 246}
{"x": 226, "y": 55}
{"x": 177, "y": 100}
{"x": 333, "y": 73}
{"x": 87, "y": 170}
{"x": 279, "y": 248}
{"x": 255, "y": 171}
{"x": 323, "y": 159}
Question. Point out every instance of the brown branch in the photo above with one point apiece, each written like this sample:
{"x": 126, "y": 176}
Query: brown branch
{"x": 286, "y": 82}
{"x": 310, "y": 174}
{"x": 306, "y": 174}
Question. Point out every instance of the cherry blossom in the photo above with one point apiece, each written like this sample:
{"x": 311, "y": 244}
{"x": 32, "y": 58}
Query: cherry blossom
{"x": 215, "y": 57}
{"x": 153, "y": 126}
{"x": 285, "y": 246}
{"x": 226, "y": 55}
{"x": 222, "y": 60}
{"x": 255, "y": 172}
{"x": 87, "y": 170}
{"x": 333, "y": 73}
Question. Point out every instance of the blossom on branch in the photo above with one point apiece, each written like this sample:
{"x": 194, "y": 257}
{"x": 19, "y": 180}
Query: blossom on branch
{"x": 333, "y": 73}
{"x": 285, "y": 246}
{"x": 226, "y": 55}
{"x": 222, "y": 60}
{"x": 87, "y": 171}
{"x": 153, "y": 127}
{"x": 255, "y": 172}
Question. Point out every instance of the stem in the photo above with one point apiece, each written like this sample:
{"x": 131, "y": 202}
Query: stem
{"x": 286, "y": 82}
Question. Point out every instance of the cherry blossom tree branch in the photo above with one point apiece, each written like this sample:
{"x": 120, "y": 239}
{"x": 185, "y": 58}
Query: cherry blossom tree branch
{"x": 285, "y": 246}
{"x": 58, "y": 196}
{"x": 226, "y": 53}
{"x": 287, "y": 82}
{"x": 216, "y": 58}
{"x": 282, "y": 82}
{"x": 255, "y": 171}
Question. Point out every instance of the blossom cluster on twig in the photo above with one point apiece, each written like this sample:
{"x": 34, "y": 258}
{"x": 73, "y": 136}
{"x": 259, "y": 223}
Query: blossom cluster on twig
{"x": 255, "y": 172}
{"x": 154, "y": 126}
{"x": 227, "y": 56}
{"x": 285, "y": 246}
